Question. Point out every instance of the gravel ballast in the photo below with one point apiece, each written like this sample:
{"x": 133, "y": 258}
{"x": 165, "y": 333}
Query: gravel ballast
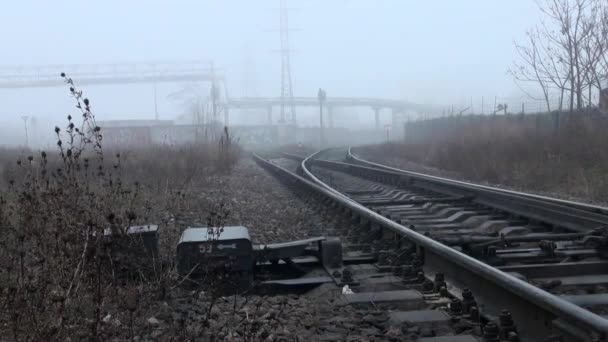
{"x": 272, "y": 213}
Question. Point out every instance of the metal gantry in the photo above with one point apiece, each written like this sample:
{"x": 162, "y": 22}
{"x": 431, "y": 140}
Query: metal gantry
{"x": 15, "y": 77}
{"x": 12, "y": 77}
{"x": 287, "y": 103}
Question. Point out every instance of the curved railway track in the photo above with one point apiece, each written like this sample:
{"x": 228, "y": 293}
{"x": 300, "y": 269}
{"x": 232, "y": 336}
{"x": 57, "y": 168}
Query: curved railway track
{"x": 541, "y": 259}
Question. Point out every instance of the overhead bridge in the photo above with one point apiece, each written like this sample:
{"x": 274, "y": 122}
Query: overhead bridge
{"x": 376, "y": 104}
{"x": 15, "y": 77}
{"x": 117, "y": 73}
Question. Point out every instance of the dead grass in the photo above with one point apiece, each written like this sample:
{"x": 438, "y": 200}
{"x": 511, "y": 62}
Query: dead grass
{"x": 60, "y": 274}
{"x": 520, "y": 152}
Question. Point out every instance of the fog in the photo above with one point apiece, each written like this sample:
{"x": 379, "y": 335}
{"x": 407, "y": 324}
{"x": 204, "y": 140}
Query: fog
{"x": 440, "y": 52}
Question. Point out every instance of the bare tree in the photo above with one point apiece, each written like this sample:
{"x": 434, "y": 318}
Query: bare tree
{"x": 595, "y": 50}
{"x": 531, "y": 69}
{"x": 567, "y": 51}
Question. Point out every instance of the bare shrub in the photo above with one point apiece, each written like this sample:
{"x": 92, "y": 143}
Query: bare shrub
{"x": 66, "y": 261}
{"x": 228, "y": 152}
{"x": 53, "y": 222}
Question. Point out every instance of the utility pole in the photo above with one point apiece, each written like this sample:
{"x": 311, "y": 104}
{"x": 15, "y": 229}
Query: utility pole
{"x": 155, "y": 95}
{"x": 25, "y": 118}
{"x": 286, "y": 81}
{"x": 155, "y": 102}
{"x": 322, "y": 96}
{"x": 213, "y": 93}
{"x": 197, "y": 112}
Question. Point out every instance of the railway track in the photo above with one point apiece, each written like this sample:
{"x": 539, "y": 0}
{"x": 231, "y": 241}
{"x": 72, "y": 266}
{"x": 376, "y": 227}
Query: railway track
{"x": 539, "y": 260}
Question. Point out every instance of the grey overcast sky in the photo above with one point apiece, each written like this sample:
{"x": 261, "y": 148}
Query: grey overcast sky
{"x": 440, "y": 51}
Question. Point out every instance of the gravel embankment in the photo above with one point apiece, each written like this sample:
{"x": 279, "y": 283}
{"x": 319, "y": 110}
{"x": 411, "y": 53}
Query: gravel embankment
{"x": 289, "y": 164}
{"x": 272, "y": 213}
{"x": 256, "y": 200}
{"x": 255, "y": 318}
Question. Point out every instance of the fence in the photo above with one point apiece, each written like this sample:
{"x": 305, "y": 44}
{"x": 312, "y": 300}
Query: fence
{"x": 509, "y": 105}
{"x": 444, "y": 128}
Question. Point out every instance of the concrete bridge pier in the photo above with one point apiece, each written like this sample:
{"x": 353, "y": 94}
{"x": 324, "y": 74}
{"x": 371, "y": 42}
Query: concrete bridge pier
{"x": 395, "y": 114}
{"x": 377, "y": 117}
{"x": 269, "y": 114}
{"x": 330, "y": 116}
{"x": 397, "y": 122}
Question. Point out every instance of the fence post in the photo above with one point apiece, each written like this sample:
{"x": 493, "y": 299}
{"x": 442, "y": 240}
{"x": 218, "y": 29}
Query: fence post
{"x": 556, "y": 122}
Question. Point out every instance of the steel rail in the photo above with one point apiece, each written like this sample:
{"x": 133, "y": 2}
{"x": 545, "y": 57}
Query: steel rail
{"x": 575, "y": 216}
{"x": 472, "y": 186}
{"x": 556, "y": 214}
{"x": 540, "y": 309}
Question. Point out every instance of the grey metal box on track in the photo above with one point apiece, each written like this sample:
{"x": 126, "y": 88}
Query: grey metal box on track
{"x": 149, "y": 235}
{"x": 146, "y": 235}
{"x": 200, "y": 248}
